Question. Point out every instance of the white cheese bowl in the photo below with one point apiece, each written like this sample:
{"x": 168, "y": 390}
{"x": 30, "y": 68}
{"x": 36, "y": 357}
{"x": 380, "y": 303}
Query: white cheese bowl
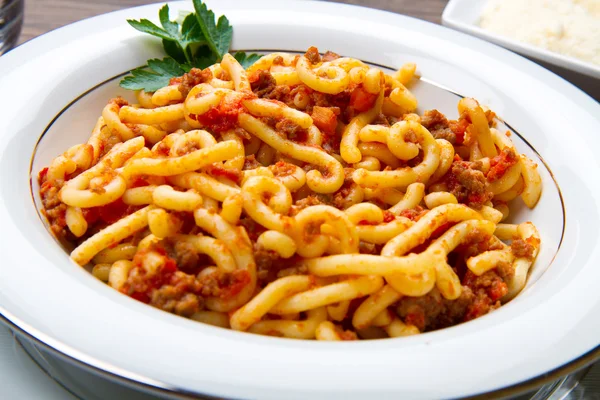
{"x": 464, "y": 16}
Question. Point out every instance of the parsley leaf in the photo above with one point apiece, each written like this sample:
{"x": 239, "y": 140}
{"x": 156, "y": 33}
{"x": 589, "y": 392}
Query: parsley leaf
{"x": 157, "y": 74}
{"x": 193, "y": 40}
{"x": 246, "y": 60}
{"x": 171, "y": 27}
{"x": 177, "y": 40}
{"x": 148, "y": 26}
{"x": 218, "y": 37}
{"x": 174, "y": 51}
{"x": 204, "y": 58}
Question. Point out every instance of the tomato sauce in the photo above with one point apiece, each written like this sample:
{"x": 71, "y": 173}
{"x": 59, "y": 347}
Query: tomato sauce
{"x": 219, "y": 171}
{"x": 223, "y": 117}
{"x": 238, "y": 280}
{"x": 142, "y": 291}
{"x": 499, "y": 164}
{"x": 388, "y": 216}
{"x": 361, "y": 100}
{"x": 459, "y": 128}
{"x": 109, "y": 213}
{"x": 414, "y": 214}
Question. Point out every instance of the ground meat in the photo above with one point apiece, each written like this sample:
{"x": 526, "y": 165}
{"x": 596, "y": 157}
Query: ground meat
{"x": 344, "y": 101}
{"x": 445, "y": 134}
{"x": 438, "y": 125}
{"x": 270, "y": 266}
{"x": 470, "y": 178}
{"x": 382, "y": 119}
{"x": 195, "y": 77}
{"x": 107, "y": 144}
{"x": 479, "y": 295}
{"x": 290, "y": 130}
{"x": 179, "y": 296}
{"x": 312, "y": 54}
{"x": 476, "y": 242}
{"x": 271, "y": 121}
{"x": 265, "y": 86}
{"x": 251, "y": 163}
{"x": 520, "y": 248}
{"x": 294, "y": 270}
{"x": 308, "y": 201}
{"x": 224, "y": 285}
{"x": 281, "y": 169}
{"x": 262, "y": 82}
{"x": 188, "y": 147}
{"x": 411, "y": 136}
{"x": 118, "y": 101}
{"x": 340, "y": 198}
{"x": 502, "y": 162}
{"x": 280, "y": 93}
{"x": 242, "y": 133}
{"x": 330, "y": 56}
{"x": 53, "y": 209}
{"x": 368, "y": 248}
{"x": 185, "y": 255}
{"x": 57, "y": 218}
{"x": 173, "y": 290}
{"x": 319, "y": 99}
{"x": 253, "y": 229}
{"x": 433, "y": 119}
{"x": 467, "y": 183}
{"x": 488, "y": 289}
{"x": 433, "y": 311}
{"x": 505, "y": 271}
{"x": 278, "y": 60}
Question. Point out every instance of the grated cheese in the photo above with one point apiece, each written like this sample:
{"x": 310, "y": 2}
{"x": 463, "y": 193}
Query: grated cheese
{"x": 568, "y": 27}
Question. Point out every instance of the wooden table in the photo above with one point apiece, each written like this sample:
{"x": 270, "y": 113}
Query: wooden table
{"x": 42, "y": 16}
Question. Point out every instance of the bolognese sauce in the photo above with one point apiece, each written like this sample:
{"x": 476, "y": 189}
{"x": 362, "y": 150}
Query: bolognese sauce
{"x": 248, "y": 212}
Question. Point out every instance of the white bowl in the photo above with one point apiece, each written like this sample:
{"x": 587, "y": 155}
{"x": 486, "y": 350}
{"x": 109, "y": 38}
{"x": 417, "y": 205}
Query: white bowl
{"x": 55, "y": 86}
{"x": 464, "y": 15}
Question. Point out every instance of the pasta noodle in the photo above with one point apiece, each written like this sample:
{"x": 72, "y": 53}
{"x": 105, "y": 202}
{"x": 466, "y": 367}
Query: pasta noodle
{"x": 303, "y": 197}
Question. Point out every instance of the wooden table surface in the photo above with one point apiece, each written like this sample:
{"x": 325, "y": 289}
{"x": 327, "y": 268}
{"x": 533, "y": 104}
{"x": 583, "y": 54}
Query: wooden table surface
{"x": 42, "y": 16}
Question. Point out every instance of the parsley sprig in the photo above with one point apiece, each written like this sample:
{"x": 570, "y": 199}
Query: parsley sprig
{"x": 199, "y": 41}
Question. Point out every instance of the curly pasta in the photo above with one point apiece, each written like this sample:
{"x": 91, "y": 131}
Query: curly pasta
{"x": 305, "y": 197}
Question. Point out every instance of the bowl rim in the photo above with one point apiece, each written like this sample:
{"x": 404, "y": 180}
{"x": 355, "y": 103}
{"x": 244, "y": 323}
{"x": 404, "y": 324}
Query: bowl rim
{"x": 347, "y": 10}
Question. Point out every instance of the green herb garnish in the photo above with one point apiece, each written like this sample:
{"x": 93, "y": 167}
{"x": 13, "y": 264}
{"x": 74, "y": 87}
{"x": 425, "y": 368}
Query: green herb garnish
{"x": 199, "y": 41}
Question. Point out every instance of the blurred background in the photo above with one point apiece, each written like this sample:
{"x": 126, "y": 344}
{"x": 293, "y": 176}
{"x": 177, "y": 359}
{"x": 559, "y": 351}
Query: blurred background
{"x": 42, "y": 16}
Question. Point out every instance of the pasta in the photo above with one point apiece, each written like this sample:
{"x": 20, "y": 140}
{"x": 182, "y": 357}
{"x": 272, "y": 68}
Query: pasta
{"x": 306, "y": 197}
